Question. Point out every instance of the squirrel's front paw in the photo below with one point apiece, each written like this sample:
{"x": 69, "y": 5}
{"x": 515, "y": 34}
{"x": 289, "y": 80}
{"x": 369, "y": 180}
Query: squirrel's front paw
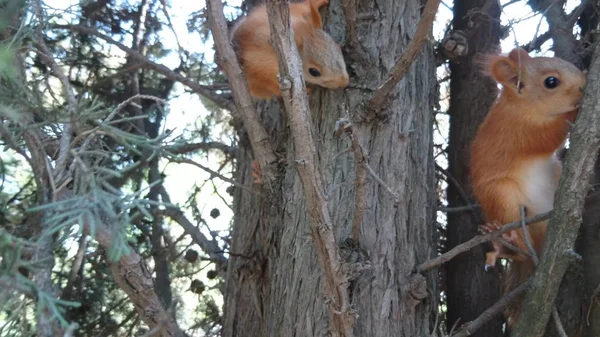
{"x": 488, "y": 228}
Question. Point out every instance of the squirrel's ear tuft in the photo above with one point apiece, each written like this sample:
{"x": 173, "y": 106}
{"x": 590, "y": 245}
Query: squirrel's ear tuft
{"x": 504, "y": 69}
{"x": 519, "y": 55}
{"x": 506, "y": 72}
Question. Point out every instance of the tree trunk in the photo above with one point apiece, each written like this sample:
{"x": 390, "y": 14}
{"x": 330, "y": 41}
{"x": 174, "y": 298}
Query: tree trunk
{"x": 470, "y": 289}
{"x": 588, "y": 247}
{"x": 275, "y": 285}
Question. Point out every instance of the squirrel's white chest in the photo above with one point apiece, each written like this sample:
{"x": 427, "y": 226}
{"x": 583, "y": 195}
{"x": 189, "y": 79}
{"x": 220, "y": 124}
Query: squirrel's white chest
{"x": 540, "y": 181}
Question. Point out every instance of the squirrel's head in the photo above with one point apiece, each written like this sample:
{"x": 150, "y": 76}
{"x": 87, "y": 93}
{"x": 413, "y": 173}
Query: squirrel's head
{"x": 544, "y": 85}
{"x": 322, "y": 61}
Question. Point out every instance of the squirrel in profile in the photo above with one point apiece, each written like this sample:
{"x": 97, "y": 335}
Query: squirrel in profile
{"x": 513, "y": 159}
{"x": 322, "y": 60}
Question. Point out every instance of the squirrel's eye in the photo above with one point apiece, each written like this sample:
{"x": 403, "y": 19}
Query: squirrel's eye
{"x": 314, "y": 72}
{"x": 551, "y": 82}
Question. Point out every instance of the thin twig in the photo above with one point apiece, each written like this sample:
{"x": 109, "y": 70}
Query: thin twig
{"x": 128, "y": 101}
{"x": 383, "y": 184}
{"x": 468, "y": 328}
{"x": 215, "y": 174}
{"x": 46, "y": 55}
{"x": 558, "y": 323}
{"x": 205, "y": 146}
{"x": 527, "y": 236}
{"x": 407, "y": 58}
{"x": 451, "y": 180}
{"x": 457, "y": 209}
{"x": 477, "y": 240}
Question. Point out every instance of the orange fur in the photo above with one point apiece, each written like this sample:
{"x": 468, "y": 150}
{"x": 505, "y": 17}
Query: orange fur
{"x": 512, "y": 155}
{"x": 259, "y": 60}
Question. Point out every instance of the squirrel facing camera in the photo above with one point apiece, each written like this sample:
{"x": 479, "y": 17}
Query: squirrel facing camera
{"x": 322, "y": 60}
{"x": 513, "y": 155}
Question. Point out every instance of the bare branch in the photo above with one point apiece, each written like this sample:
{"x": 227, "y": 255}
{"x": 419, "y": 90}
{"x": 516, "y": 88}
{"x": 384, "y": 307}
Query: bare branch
{"x": 75, "y": 268}
{"x": 133, "y": 277}
{"x": 204, "y": 146}
{"x": 559, "y": 326}
{"x": 46, "y": 55}
{"x": 477, "y": 240}
{"x": 564, "y": 225}
{"x": 407, "y": 58}
{"x": 361, "y": 177}
{"x": 496, "y": 309}
{"x": 457, "y": 209}
{"x": 451, "y": 180}
{"x": 537, "y": 42}
{"x": 291, "y": 83}
{"x": 208, "y": 246}
{"x": 227, "y": 59}
{"x": 215, "y": 174}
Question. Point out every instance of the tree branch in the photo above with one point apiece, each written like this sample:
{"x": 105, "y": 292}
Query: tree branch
{"x": 564, "y": 225}
{"x": 468, "y": 328}
{"x": 407, "y": 58}
{"x": 477, "y": 240}
{"x": 226, "y": 58}
{"x": 133, "y": 277}
{"x": 361, "y": 176}
{"x": 208, "y": 246}
{"x": 204, "y": 146}
{"x": 291, "y": 82}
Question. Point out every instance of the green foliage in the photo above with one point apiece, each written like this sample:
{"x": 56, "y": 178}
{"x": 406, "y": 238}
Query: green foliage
{"x": 104, "y": 183}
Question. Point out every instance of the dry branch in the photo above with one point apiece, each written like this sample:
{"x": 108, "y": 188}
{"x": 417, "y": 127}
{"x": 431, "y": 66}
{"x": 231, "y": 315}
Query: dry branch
{"x": 204, "y": 146}
{"x": 468, "y": 328}
{"x": 564, "y": 225}
{"x": 407, "y": 58}
{"x": 133, "y": 277}
{"x": 291, "y": 82}
{"x": 227, "y": 59}
{"x": 344, "y": 125}
{"x": 477, "y": 240}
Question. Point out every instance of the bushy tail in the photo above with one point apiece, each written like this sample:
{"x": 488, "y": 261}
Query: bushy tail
{"x": 516, "y": 274}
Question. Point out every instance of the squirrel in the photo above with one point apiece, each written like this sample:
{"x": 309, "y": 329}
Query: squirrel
{"x": 322, "y": 60}
{"x": 513, "y": 159}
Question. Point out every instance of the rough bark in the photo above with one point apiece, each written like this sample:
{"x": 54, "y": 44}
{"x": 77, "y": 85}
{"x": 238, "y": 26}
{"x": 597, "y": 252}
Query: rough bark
{"x": 277, "y": 289}
{"x": 565, "y": 223}
{"x": 588, "y": 246}
{"x": 565, "y": 45}
{"x": 470, "y": 289}
{"x": 256, "y": 232}
{"x": 589, "y": 236}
